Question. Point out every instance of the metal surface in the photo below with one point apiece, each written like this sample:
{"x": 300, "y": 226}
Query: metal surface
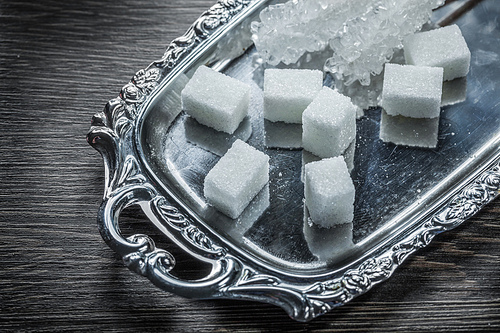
{"x": 404, "y": 196}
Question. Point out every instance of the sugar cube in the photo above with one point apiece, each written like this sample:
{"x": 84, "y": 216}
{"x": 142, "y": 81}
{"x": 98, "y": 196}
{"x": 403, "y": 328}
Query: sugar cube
{"x": 444, "y": 47}
{"x": 236, "y": 179}
{"x": 216, "y": 100}
{"x": 328, "y": 124}
{"x": 287, "y": 92}
{"x": 329, "y": 192}
{"x": 414, "y": 132}
{"x": 412, "y": 91}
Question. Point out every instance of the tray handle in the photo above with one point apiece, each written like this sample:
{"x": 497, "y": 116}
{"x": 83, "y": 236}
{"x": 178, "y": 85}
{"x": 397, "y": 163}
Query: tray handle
{"x": 140, "y": 253}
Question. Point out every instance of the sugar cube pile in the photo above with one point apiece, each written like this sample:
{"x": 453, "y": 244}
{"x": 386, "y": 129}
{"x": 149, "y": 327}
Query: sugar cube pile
{"x": 329, "y": 192}
{"x": 236, "y": 179}
{"x": 221, "y": 106}
{"x": 287, "y": 93}
{"x": 444, "y": 47}
{"x": 300, "y": 113}
{"x": 329, "y": 124}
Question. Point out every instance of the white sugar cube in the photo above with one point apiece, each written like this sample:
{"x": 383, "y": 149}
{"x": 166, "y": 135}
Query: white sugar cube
{"x": 444, "y": 47}
{"x": 328, "y": 124}
{"x": 406, "y": 131}
{"x": 216, "y": 100}
{"x": 329, "y": 192}
{"x": 236, "y": 179}
{"x": 412, "y": 91}
{"x": 287, "y": 92}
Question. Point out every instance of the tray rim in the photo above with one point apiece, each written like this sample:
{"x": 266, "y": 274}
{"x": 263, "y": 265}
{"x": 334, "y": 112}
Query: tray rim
{"x": 114, "y": 134}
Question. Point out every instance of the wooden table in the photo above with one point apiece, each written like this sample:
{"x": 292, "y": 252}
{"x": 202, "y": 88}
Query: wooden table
{"x": 61, "y": 61}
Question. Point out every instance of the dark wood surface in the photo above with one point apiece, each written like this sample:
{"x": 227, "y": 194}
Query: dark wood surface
{"x": 60, "y": 62}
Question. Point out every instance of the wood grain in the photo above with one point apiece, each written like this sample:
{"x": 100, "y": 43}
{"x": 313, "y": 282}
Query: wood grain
{"x": 60, "y": 63}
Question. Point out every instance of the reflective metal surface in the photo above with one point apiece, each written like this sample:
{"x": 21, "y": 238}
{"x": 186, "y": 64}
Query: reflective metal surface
{"x": 157, "y": 157}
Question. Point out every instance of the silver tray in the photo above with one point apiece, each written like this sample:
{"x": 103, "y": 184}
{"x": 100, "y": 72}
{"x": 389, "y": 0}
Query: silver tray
{"x": 154, "y": 158}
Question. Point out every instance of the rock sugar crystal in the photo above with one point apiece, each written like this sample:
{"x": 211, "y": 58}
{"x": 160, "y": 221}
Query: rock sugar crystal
{"x": 363, "y": 34}
{"x": 286, "y": 31}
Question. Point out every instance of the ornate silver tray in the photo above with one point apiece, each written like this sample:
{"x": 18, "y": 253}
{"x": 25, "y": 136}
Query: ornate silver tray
{"x": 155, "y": 157}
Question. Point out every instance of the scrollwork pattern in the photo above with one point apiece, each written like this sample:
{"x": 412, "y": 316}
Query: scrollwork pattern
{"x": 212, "y": 19}
{"x": 358, "y": 281}
{"x": 147, "y": 256}
{"x": 251, "y": 277}
{"x": 187, "y": 229}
